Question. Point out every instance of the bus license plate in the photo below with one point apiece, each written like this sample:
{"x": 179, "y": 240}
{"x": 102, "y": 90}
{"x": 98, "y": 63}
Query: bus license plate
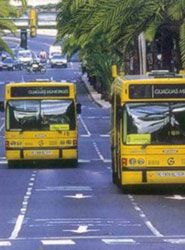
{"x": 41, "y": 152}
{"x": 171, "y": 174}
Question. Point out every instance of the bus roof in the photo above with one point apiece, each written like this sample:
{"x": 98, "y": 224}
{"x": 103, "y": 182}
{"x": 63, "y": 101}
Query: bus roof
{"x": 39, "y": 83}
{"x": 40, "y": 90}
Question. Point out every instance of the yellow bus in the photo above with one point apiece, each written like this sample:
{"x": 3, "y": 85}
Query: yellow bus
{"x": 41, "y": 122}
{"x": 148, "y": 130}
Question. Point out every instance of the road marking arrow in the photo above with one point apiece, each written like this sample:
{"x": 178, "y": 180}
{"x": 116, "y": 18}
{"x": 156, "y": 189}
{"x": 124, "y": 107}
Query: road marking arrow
{"x": 82, "y": 229}
{"x": 78, "y": 196}
{"x": 176, "y": 197}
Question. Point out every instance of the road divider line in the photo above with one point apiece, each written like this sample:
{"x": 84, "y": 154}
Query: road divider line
{"x": 23, "y": 210}
{"x": 118, "y": 241}
{"x": 84, "y": 125}
{"x": 149, "y": 225}
{"x": 3, "y": 161}
{"x": 98, "y": 151}
{"x": 175, "y": 241}
{"x": 58, "y": 242}
{"x": 1, "y": 128}
{"x": 5, "y": 243}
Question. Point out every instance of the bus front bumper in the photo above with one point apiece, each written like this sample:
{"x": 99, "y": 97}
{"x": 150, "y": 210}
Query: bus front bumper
{"x": 40, "y": 154}
{"x": 153, "y": 176}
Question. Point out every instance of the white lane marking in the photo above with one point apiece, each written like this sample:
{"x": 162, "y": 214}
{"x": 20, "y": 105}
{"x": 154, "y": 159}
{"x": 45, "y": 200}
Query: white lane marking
{"x": 153, "y": 229}
{"x": 17, "y": 227}
{"x": 98, "y": 151}
{"x": 85, "y": 135}
{"x": 107, "y": 161}
{"x": 23, "y": 210}
{"x": 1, "y": 128}
{"x": 78, "y": 196}
{"x": 66, "y": 188}
{"x": 58, "y": 242}
{"x": 176, "y": 197}
{"x": 96, "y": 117}
{"x": 84, "y": 125}
{"x": 175, "y": 241}
{"x": 118, "y": 241}
{"x": 5, "y": 243}
{"x": 81, "y": 229}
{"x": 3, "y": 162}
{"x": 84, "y": 161}
{"x": 144, "y": 217}
{"x": 105, "y": 135}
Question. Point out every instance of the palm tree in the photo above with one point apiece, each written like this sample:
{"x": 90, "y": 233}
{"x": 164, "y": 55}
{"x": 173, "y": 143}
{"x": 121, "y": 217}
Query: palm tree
{"x": 120, "y": 23}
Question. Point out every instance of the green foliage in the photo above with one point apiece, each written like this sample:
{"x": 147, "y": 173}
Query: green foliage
{"x": 7, "y": 11}
{"x": 99, "y": 29}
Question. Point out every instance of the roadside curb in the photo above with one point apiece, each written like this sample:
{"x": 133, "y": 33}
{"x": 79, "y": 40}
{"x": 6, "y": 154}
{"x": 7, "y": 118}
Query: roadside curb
{"x": 93, "y": 93}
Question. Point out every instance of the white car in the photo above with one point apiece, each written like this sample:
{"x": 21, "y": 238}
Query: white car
{"x": 25, "y": 56}
{"x": 58, "y": 61}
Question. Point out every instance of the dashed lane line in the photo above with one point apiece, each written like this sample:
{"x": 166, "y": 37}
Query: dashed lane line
{"x": 85, "y": 127}
{"x": 1, "y": 128}
{"x": 148, "y": 223}
{"x": 5, "y": 243}
{"x": 58, "y": 242}
{"x": 23, "y": 210}
{"x": 119, "y": 241}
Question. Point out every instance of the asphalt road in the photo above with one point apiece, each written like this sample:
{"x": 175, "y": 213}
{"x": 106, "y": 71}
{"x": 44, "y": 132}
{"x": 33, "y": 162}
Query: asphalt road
{"x": 79, "y": 208}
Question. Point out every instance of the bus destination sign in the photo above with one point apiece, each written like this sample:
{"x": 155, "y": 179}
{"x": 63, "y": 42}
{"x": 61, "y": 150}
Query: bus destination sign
{"x": 40, "y": 91}
{"x": 156, "y": 91}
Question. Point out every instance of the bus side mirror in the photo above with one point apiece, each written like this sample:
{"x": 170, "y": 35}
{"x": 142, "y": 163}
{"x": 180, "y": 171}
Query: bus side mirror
{"x": 1, "y": 106}
{"x": 79, "y": 108}
{"x": 114, "y": 71}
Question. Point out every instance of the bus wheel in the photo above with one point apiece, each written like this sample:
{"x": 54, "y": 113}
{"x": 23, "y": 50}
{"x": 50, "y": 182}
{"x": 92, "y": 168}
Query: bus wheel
{"x": 114, "y": 178}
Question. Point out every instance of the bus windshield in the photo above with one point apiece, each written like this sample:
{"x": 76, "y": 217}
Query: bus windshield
{"x": 154, "y": 123}
{"x": 40, "y": 115}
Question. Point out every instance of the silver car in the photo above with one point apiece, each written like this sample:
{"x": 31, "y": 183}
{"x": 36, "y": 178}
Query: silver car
{"x": 25, "y": 56}
{"x": 58, "y": 61}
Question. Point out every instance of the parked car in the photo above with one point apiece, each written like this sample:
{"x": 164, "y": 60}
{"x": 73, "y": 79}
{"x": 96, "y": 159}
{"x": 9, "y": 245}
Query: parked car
{"x": 58, "y": 61}
{"x": 11, "y": 64}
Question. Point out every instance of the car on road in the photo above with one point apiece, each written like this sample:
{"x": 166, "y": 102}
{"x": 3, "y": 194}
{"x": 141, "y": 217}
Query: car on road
{"x": 58, "y": 61}
{"x": 25, "y": 56}
{"x": 11, "y": 64}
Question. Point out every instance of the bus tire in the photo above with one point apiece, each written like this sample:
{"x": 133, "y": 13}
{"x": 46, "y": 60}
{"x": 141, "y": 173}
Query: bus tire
{"x": 12, "y": 164}
{"x": 114, "y": 178}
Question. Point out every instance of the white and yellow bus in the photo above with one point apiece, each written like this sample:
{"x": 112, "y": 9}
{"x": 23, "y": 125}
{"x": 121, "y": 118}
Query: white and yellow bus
{"x": 41, "y": 122}
{"x": 148, "y": 130}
